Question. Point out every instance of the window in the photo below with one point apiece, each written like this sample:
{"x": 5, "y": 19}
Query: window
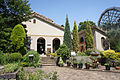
{"x": 34, "y": 21}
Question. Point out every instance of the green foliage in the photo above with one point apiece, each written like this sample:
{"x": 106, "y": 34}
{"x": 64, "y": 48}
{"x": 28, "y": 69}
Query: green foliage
{"x": 2, "y": 58}
{"x": 15, "y": 57}
{"x": 67, "y": 35}
{"x": 75, "y": 38}
{"x": 75, "y": 62}
{"x": 108, "y": 54}
{"x": 11, "y": 67}
{"x": 82, "y": 25}
{"x": 63, "y": 51}
{"x": 88, "y": 36}
{"x": 61, "y": 63}
{"x": 18, "y": 36}
{"x": 81, "y": 54}
{"x": 33, "y": 61}
{"x": 114, "y": 39}
{"x": 12, "y": 12}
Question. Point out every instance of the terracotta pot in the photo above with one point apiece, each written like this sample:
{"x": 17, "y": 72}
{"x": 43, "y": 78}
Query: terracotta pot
{"x": 117, "y": 67}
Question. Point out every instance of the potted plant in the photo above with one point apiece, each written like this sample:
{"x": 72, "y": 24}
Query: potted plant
{"x": 80, "y": 65}
{"x": 75, "y": 64}
{"x": 107, "y": 66}
{"x": 87, "y": 65}
{"x": 68, "y": 62}
{"x": 61, "y": 63}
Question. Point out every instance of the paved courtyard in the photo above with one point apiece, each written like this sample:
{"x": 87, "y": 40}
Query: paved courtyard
{"x": 72, "y": 74}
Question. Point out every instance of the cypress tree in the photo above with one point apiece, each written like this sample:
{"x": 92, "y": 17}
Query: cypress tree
{"x": 88, "y": 36}
{"x": 67, "y": 34}
{"x": 18, "y": 38}
{"x": 75, "y": 37}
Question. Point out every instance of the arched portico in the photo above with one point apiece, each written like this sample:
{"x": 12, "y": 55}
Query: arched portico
{"x": 56, "y": 44}
{"x": 41, "y": 45}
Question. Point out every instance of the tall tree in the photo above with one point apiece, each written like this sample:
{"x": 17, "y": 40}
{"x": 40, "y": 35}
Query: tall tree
{"x": 75, "y": 38}
{"x": 88, "y": 36}
{"x": 82, "y": 25}
{"x": 12, "y": 12}
{"x": 67, "y": 34}
{"x": 18, "y": 38}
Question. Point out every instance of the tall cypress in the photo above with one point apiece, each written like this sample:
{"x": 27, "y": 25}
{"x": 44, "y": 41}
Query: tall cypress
{"x": 75, "y": 38}
{"x": 88, "y": 36}
{"x": 67, "y": 34}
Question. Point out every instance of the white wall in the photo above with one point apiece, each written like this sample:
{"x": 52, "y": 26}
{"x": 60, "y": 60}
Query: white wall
{"x": 44, "y": 30}
{"x": 98, "y": 37}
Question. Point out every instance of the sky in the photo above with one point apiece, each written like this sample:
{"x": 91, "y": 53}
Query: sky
{"x": 79, "y": 10}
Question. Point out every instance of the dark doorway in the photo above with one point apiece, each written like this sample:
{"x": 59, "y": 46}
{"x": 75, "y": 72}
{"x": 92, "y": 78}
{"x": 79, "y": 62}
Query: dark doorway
{"x": 41, "y": 45}
{"x": 56, "y": 44}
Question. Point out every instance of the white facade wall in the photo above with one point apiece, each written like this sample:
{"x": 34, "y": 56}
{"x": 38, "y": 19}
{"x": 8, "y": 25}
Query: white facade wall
{"x": 44, "y": 30}
{"x": 98, "y": 41}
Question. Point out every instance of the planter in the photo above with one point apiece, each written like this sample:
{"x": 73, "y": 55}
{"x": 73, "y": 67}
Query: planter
{"x": 80, "y": 66}
{"x": 87, "y": 66}
{"x": 68, "y": 64}
{"x": 74, "y": 65}
{"x": 117, "y": 67}
{"x": 94, "y": 65}
{"x": 107, "y": 67}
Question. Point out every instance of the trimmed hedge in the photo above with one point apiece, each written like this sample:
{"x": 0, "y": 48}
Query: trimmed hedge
{"x": 35, "y": 59}
{"x": 15, "y": 57}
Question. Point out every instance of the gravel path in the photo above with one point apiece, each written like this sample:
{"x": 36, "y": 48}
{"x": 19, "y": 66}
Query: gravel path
{"x": 72, "y": 74}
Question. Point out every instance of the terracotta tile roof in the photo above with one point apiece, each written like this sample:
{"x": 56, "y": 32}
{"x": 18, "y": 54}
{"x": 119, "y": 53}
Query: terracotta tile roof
{"x": 47, "y": 20}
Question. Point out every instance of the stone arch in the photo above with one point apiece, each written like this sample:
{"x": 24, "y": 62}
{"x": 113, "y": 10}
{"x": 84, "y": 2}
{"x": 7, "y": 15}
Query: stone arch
{"x": 41, "y": 45}
{"x": 56, "y": 44}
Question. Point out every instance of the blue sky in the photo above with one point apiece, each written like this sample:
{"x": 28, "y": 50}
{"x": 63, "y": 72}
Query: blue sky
{"x": 79, "y": 10}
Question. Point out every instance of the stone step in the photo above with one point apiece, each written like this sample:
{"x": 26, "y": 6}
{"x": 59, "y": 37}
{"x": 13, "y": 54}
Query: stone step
{"x": 47, "y": 61}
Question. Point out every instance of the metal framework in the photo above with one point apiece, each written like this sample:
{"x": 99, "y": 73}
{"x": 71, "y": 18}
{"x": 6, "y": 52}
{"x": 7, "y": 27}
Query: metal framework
{"x": 110, "y": 16}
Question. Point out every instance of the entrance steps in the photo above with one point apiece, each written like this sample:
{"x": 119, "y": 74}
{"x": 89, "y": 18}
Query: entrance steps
{"x": 47, "y": 61}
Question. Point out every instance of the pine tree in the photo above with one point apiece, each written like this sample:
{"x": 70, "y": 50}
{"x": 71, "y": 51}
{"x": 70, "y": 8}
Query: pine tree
{"x": 75, "y": 38}
{"x": 67, "y": 34}
{"x": 88, "y": 36}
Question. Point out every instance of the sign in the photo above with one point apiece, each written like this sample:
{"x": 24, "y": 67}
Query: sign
{"x": 73, "y": 53}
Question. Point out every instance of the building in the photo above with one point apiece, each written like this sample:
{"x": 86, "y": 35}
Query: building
{"x": 46, "y": 36}
{"x": 99, "y": 37}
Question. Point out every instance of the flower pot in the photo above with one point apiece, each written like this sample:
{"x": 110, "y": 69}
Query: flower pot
{"x": 74, "y": 65}
{"x": 107, "y": 67}
{"x": 117, "y": 67}
{"x": 87, "y": 66}
{"x": 68, "y": 64}
{"x": 80, "y": 66}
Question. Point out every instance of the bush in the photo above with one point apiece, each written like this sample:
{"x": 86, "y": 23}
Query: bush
{"x": 35, "y": 59}
{"x": 2, "y": 58}
{"x": 15, "y": 57}
{"x": 81, "y": 54}
{"x": 108, "y": 54}
{"x": 61, "y": 63}
{"x": 63, "y": 51}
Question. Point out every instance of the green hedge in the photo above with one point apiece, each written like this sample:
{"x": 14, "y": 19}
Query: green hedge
{"x": 15, "y": 57}
{"x": 35, "y": 59}
{"x": 2, "y": 58}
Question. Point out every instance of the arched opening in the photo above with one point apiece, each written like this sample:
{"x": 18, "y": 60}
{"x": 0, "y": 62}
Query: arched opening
{"x": 81, "y": 40}
{"x": 56, "y": 44}
{"x": 41, "y": 45}
{"x": 103, "y": 42}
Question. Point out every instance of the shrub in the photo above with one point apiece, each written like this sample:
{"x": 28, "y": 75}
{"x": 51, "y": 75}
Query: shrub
{"x": 35, "y": 59}
{"x": 108, "y": 54}
{"x": 2, "y": 58}
{"x": 81, "y": 54}
{"x": 15, "y": 57}
{"x": 61, "y": 63}
{"x": 89, "y": 51}
{"x": 11, "y": 67}
{"x": 63, "y": 51}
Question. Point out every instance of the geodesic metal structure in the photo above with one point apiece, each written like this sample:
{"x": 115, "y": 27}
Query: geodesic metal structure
{"x": 110, "y": 18}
